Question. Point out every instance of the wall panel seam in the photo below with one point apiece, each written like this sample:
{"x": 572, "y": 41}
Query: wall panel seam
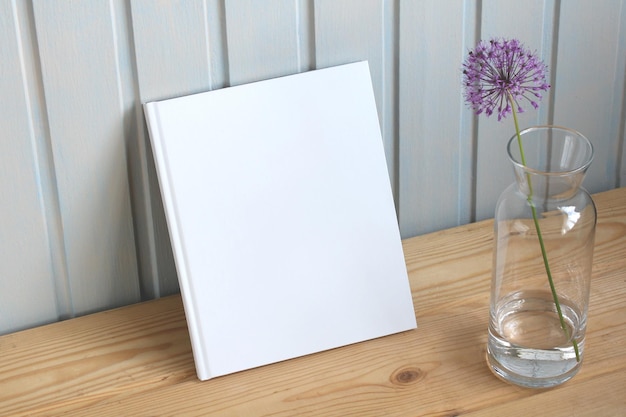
{"x": 48, "y": 186}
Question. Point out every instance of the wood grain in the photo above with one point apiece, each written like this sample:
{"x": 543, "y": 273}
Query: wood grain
{"x": 77, "y": 363}
{"x": 137, "y": 361}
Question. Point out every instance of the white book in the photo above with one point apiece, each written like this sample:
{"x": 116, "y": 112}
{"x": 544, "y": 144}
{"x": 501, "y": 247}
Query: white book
{"x": 281, "y": 218}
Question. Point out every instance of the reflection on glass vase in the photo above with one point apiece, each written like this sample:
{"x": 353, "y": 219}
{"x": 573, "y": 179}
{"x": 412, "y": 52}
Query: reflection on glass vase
{"x": 543, "y": 249}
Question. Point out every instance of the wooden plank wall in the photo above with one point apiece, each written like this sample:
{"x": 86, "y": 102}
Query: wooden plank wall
{"x": 82, "y": 227}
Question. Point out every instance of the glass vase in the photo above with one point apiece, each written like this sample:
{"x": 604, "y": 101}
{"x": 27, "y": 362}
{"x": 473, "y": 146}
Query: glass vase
{"x": 543, "y": 248}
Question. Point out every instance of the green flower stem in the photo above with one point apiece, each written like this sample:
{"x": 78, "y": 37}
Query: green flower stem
{"x": 544, "y": 253}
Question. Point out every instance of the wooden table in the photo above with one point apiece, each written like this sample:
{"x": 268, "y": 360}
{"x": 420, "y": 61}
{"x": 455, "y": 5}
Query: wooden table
{"x": 137, "y": 360}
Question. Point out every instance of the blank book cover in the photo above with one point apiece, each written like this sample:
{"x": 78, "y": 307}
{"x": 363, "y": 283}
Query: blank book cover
{"x": 281, "y": 216}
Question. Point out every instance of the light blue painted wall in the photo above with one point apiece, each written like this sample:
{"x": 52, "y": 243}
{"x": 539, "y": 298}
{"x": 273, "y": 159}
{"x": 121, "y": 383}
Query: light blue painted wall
{"x": 82, "y": 226}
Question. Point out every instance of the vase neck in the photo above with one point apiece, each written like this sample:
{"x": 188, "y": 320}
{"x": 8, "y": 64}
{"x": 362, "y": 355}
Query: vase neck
{"x": 548, "y": 185}
{"x": 550, "y": 161}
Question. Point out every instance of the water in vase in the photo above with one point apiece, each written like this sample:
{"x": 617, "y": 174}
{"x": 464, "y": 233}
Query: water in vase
{"x": 527, "y": 344}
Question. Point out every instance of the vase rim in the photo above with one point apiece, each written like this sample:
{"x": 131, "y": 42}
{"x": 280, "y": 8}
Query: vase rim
{"x": 583, "y": 166}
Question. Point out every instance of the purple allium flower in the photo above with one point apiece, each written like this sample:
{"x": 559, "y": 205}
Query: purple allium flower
{"x": 498, "y": 68}
{"x": 497, "y": 75}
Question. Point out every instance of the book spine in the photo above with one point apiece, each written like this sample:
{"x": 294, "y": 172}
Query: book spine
{"x": 160, "y": 156}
